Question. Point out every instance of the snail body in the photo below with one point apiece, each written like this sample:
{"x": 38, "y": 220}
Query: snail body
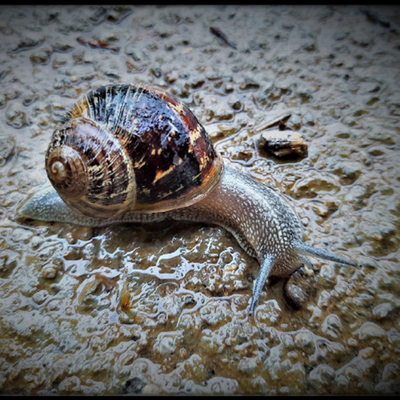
{"x": 126, "y": 153}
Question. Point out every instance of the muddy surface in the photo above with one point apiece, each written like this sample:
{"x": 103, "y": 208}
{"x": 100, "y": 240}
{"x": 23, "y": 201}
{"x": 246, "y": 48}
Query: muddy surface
{"x": 162, "y": 308}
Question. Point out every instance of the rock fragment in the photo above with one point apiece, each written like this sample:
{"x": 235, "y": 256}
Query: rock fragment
{"x": 298, "y": 288}
{"x": 283, "y": 143}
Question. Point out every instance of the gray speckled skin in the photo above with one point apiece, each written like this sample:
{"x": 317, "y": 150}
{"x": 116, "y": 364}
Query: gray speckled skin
{"x": 263, "y": 224}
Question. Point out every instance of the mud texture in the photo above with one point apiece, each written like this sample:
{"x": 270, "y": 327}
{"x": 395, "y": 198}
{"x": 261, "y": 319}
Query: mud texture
{"x": 161, "y": 308}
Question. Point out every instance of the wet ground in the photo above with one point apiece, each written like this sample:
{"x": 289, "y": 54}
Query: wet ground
{"x": 162, "y": 308}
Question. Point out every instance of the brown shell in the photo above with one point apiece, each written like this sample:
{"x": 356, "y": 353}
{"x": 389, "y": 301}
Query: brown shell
{"x": 160, "y": 144}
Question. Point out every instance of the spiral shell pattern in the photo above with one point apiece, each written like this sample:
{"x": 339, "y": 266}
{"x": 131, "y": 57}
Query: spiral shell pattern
{"x": 90, "y": 170}
{"x": 136, "y": 148}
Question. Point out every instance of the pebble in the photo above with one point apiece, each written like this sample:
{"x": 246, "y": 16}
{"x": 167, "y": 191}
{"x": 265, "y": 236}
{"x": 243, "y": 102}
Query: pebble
{"x": 284, "y": 143}
{"x": 49, "y": 272}
{"x": 298, "y": 288}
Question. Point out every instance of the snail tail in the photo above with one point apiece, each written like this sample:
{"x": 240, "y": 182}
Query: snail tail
{"x": 312, "y": 251}
{"x": 265, "y": 269}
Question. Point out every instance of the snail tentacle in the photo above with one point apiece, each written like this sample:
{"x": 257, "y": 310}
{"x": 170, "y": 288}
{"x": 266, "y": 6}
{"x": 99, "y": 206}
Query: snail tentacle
{"x": 305, "y": 249}
{"x": 259, "y": 283}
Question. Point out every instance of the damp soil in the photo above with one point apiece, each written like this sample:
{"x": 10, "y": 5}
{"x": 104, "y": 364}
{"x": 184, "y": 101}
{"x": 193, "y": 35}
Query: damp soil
{"x": 162, "y": 308}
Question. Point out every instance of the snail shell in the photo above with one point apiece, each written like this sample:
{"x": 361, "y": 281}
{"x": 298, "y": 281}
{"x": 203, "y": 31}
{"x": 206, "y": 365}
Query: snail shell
{"x": 131, "y": 148}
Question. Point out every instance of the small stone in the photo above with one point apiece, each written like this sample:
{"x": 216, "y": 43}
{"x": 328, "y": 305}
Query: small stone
{"x": 283, "y": 143}
{"x": 298, "y": 288}
{"x": 237, "y": 105}
{"x": 49, "y": 273}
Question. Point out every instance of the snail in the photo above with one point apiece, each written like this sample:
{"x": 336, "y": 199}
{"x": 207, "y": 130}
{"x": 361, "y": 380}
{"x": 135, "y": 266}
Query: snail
{"x": 127, "y": 153}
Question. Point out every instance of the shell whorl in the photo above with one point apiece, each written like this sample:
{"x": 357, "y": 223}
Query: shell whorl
{"x": 162, "y": 148}
{"x": 90, "y": 170}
